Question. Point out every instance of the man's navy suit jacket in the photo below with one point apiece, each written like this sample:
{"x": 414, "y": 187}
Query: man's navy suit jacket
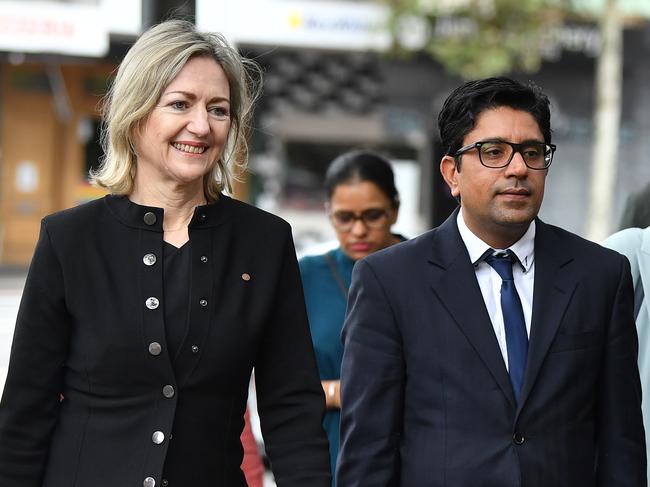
{"x": 426, "y": 396}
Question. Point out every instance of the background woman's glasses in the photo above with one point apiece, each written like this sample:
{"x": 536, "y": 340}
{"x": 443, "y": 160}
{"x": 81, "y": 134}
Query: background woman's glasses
{"x": 371, "y": 218}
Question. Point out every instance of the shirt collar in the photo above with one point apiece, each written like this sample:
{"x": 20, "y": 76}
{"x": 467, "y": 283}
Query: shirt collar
{"x": 524, "y": 248}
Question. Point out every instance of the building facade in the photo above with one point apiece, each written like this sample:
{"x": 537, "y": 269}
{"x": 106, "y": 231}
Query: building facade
{"x": 329, "y": 86}
{"x": 56, "y": 59}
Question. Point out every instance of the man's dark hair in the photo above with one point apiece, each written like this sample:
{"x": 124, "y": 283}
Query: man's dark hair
{"x": 361, "y": 165}
{"x": 463, "y": 106}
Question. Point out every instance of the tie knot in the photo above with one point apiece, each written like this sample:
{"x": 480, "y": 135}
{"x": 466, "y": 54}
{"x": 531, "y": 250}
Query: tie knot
{"x": 502, "y": 263}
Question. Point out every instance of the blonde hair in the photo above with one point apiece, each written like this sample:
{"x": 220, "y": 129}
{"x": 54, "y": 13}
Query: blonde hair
{"x": 147, "y": 69}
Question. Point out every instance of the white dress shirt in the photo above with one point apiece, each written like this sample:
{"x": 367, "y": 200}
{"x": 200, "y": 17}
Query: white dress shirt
{"x": 490, "y": 282}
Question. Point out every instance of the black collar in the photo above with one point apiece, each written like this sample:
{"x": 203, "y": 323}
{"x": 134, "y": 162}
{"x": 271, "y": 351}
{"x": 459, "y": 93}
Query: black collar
{"x": 151, "y": 218}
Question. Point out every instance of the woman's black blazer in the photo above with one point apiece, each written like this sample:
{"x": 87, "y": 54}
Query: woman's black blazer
{"x": 90, "y": 326}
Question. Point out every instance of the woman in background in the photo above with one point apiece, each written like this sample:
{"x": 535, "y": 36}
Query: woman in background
{"x": 148, "y": 309}
{"x": 362, "y": 205}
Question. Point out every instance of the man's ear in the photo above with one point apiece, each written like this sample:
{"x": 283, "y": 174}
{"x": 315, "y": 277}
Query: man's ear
{"x": 449, "y": 171}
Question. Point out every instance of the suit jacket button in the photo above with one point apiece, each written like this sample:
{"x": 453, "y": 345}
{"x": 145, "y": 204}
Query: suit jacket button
{"x": 152, "y": 303}
{"x": 149, "y": 482}
{"x": 204, "y": 258}
{"x": 149, "y": 218}
{"x": 155, "y": 348}
{"x": 164, "y": 482}
{"x": 518, "y": 438}
{"x": 195, "y": 349}
{"x": 149, "y": 259}
{"x": 158, "y": 437}
{"x": 203, "y": 302}
{"x": 168, "y": 391}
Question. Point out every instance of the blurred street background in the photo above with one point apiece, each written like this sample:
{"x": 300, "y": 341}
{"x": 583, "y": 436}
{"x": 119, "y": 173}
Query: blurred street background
{"x": 338, "y": 74}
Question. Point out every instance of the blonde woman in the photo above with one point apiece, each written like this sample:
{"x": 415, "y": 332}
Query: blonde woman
{"x": 148, "y": 309}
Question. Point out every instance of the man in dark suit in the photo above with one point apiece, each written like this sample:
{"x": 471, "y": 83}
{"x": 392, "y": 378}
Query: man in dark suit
{"x": 495, "y": 350}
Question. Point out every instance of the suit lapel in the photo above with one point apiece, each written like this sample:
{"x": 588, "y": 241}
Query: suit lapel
{"x": 553, "y": 289}
{"x": 453, "y": 280}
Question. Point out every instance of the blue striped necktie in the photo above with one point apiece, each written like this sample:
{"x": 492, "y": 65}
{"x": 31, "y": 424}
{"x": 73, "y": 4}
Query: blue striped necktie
{"x": 513, "y": 317}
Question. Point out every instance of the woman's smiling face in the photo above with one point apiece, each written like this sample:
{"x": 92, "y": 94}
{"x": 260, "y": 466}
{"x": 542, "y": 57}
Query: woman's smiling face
{"x": 187, "y": 130}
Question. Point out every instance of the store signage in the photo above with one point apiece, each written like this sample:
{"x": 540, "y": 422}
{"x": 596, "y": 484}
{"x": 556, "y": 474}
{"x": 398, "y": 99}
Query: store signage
{"x": 320, "y": 24}
{"x": 363, "y": 25}
{"x": 53, "y": 27}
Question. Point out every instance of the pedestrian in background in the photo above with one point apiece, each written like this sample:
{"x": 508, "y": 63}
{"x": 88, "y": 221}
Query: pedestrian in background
{"x": 637, "y": 209}
{"x": 252, "y": 464}
{"x": 149, "y": 308}
{"x": 362, "y": 205}
{"x": 634, "y": 243}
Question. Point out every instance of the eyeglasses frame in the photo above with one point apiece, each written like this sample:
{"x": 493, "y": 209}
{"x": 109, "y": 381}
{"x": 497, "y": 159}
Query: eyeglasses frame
{"x": 515, "y": 148}
{"x": 356, "y": 218}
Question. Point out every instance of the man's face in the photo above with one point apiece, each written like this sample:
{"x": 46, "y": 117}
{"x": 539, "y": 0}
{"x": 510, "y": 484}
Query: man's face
{"x": 498, "y": 204}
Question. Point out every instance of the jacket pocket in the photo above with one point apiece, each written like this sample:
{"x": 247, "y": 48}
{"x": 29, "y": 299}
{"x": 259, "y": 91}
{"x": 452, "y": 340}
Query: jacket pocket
{"x": 574, "y": 341}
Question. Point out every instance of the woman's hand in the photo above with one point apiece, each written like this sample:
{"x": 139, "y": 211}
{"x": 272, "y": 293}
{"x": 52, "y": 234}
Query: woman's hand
{"x": 332, "y": 391}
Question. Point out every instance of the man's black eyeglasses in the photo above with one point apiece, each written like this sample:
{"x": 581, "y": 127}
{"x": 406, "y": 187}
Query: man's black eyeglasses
{"x": 499, "y": 153}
